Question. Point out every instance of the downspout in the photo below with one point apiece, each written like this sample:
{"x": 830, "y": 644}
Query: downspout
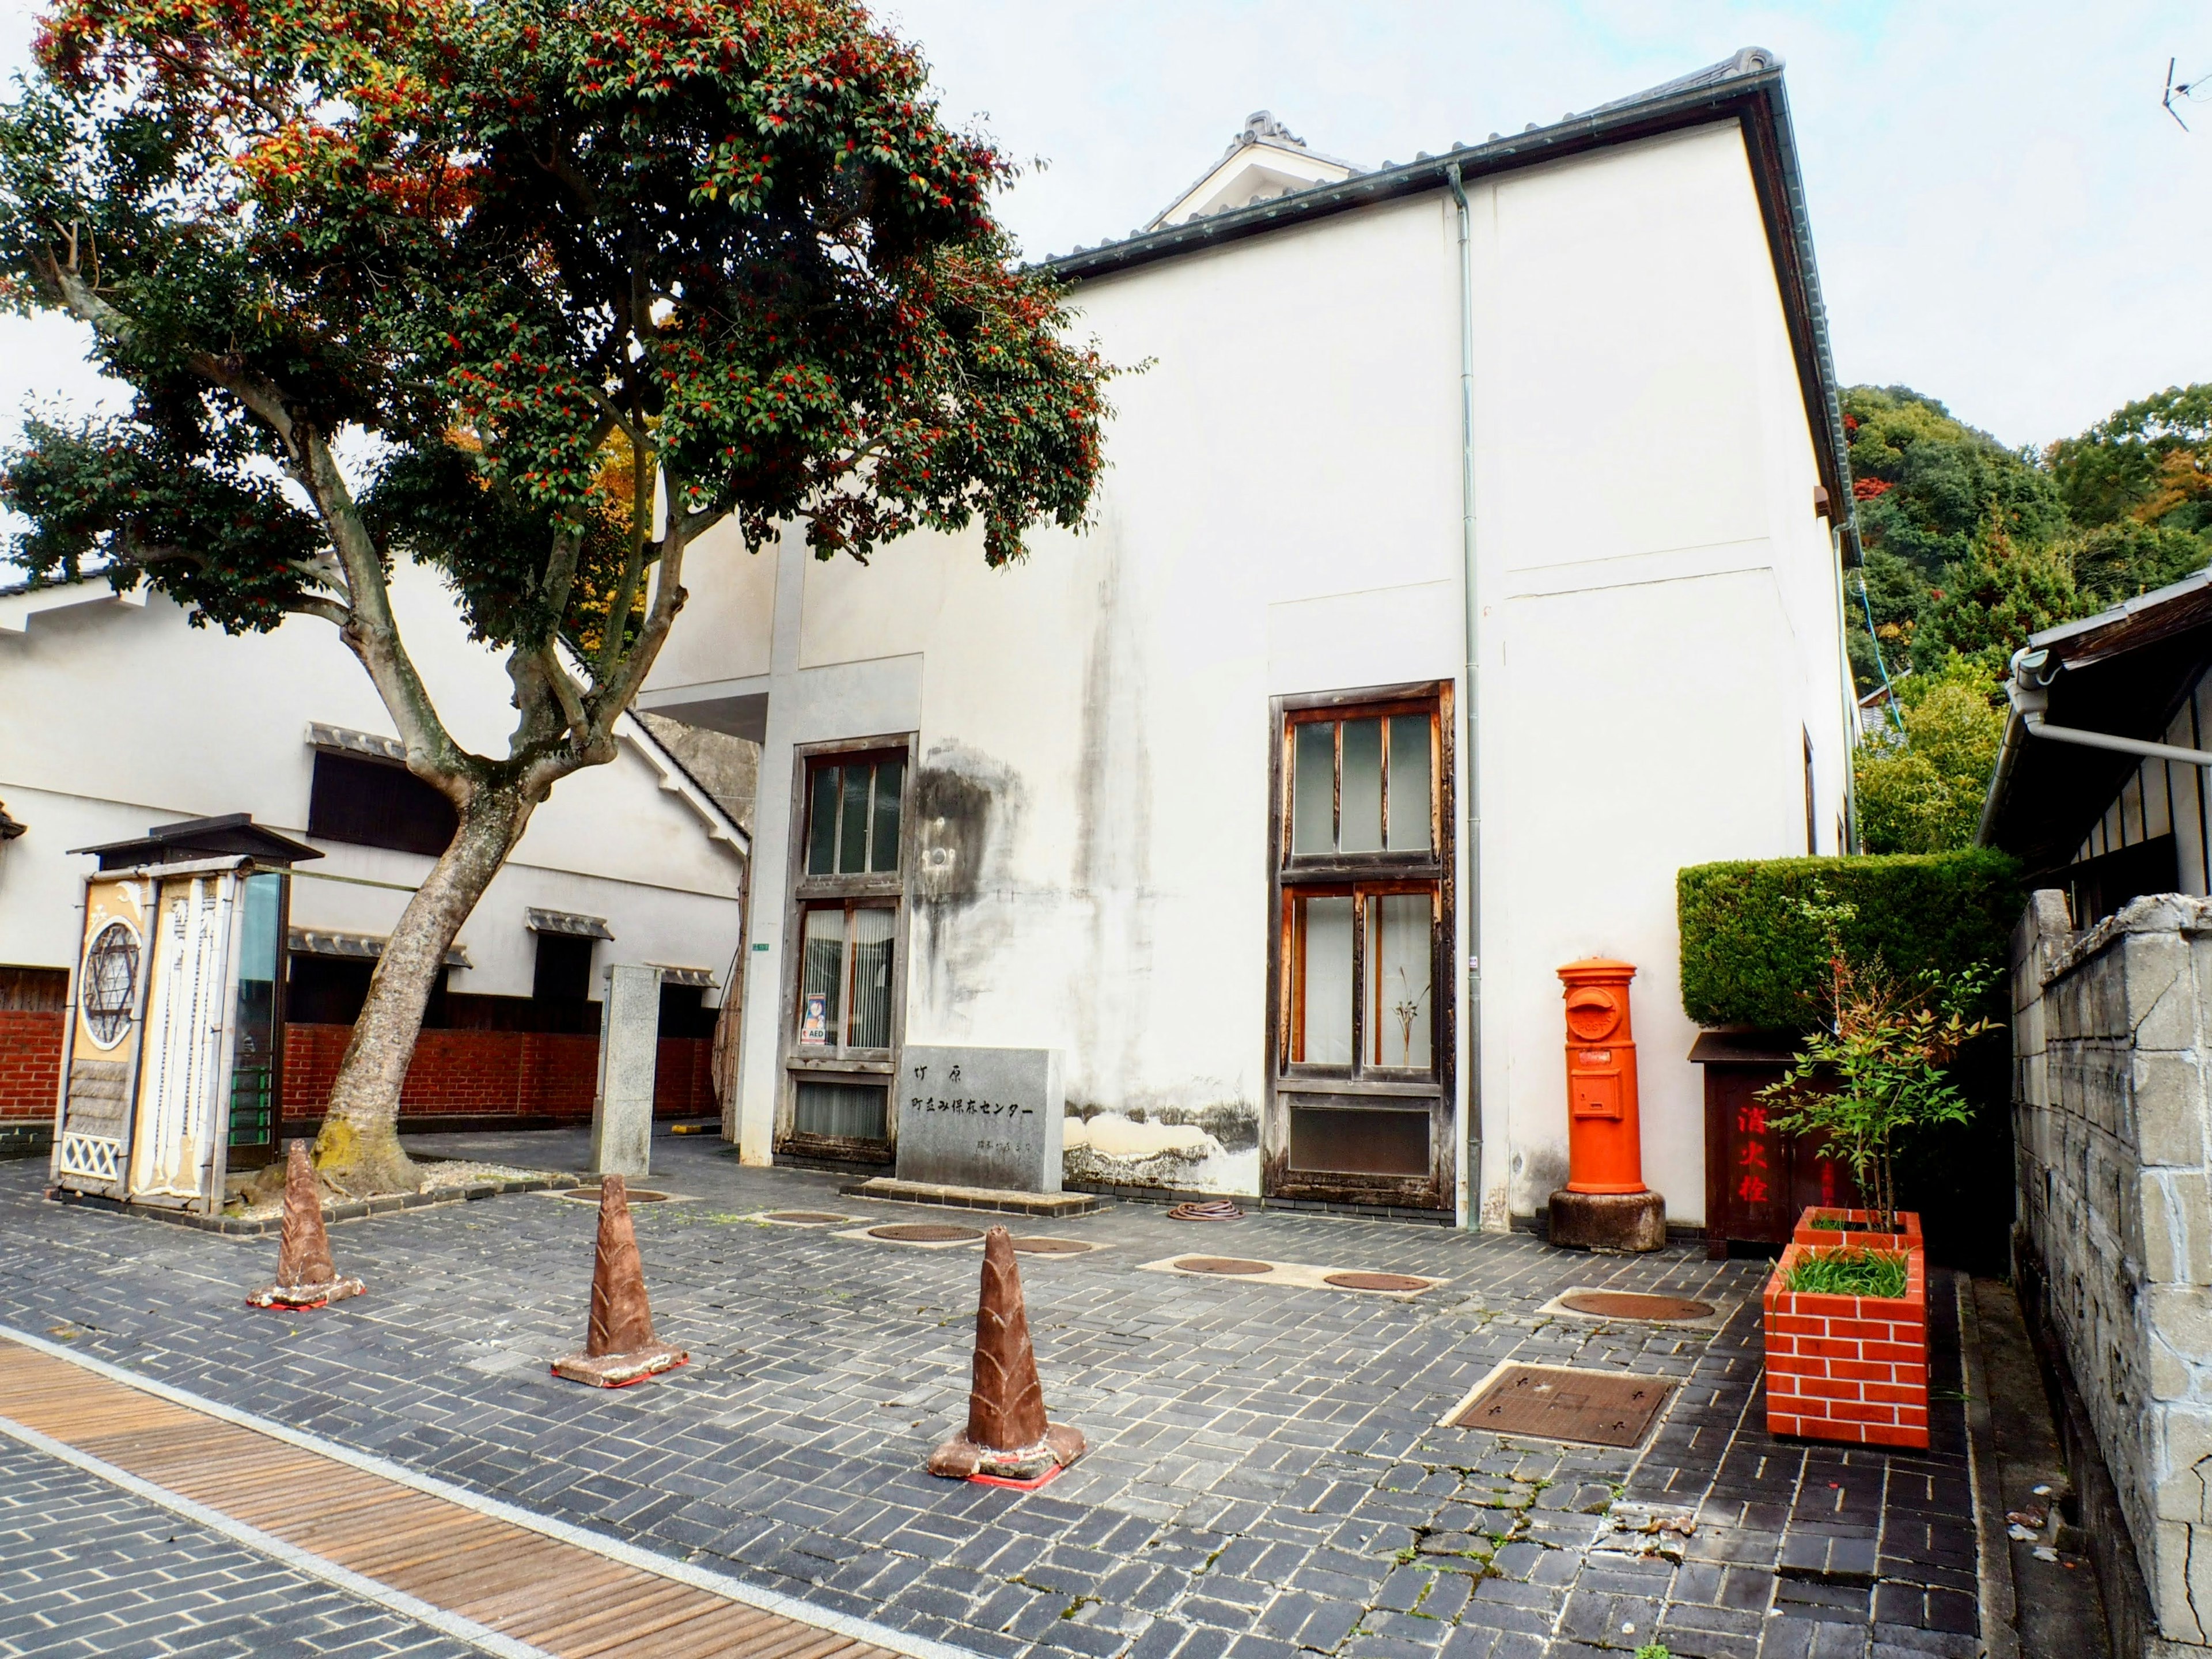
{"x": 1470, "y": 766}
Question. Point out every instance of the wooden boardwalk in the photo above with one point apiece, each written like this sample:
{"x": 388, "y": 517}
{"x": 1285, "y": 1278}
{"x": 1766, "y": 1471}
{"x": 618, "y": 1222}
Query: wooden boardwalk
{"x": 551, "y": 1595}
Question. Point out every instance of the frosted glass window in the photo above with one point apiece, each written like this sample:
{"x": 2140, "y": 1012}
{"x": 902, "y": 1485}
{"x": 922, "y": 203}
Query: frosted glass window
{"x": 853, "y": 843}
{"x": 1411, "y": 768}
{"x": 841, "y": 1111}
{"x": 871, "y": 978}
{"x": 1399, "y": 958}
{"x": 822, "y": 978}
{"x": 1313, "y": 788}
{"x": 1359, "y": 822}
{"x": 822, "y": 823}
{"x": 1324, "y": 943}
{"x": 884, "y": 838}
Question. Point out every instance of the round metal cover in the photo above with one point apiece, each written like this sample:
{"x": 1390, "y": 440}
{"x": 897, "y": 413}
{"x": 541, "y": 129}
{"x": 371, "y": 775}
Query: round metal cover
{"x": 1375, "y": 1282}
{"x": 637, "y": 1195}
{"x": 1220, "y": 1264}
{"x": 924, "y": 1232}
{"x": 1635, "y": 1304}
{"x": 1049, "y": 1247}
{"x": 803, "y": 1218}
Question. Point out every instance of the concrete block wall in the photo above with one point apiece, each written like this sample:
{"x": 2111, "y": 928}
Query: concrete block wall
{"x": 2112, "y": 1055}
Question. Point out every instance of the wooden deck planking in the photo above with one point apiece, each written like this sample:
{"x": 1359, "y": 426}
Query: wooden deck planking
{"x": 554, "y": 1595}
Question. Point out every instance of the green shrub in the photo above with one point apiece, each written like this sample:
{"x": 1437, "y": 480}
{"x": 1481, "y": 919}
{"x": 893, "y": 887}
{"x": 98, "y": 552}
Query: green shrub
{"x": 1752, "y": 957}
{"x": 1849, "y": 1273}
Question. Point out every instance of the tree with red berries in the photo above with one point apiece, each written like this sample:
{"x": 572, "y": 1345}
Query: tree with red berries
{"x": 531, "y": 292}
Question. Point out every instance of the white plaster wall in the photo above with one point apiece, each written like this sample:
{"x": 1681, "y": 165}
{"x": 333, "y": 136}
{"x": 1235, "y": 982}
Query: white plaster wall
{"x": 114, "y": 717}
{"x": 1660, "y": 617}
{"x": 1281, "y": 514}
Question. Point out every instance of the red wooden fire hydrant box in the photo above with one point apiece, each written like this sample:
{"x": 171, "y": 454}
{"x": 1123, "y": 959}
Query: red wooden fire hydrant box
{"x": 1850, "y": 1368}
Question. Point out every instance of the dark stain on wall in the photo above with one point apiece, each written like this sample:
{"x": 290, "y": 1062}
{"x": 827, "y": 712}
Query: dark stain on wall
{"x": 967, "y": 809}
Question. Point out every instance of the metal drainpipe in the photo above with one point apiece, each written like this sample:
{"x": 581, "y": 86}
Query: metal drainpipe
{"x": 1471, "y": 754}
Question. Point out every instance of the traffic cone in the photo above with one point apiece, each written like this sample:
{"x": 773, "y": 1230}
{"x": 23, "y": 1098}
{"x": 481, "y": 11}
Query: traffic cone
{"x": 1008, "y": 1442}
{"x": 619, "y": 1345}
{"x": 305, "y": 1277}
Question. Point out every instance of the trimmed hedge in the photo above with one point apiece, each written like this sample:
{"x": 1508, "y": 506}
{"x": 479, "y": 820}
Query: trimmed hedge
{"x": 1750, "y": 959}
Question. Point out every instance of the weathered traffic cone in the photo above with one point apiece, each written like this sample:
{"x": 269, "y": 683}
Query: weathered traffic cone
{"x": 619, "y": 1345}
{"x": 1008, "y": 1442}
{"x": 305, "y": 1277}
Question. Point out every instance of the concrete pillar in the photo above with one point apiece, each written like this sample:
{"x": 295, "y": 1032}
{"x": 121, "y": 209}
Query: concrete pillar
{"x": 630, "y": 1043}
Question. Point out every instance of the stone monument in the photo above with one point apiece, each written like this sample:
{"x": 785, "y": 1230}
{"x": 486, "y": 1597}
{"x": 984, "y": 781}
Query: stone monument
{"x": 629, "y": 1045}
{"x": 980, "y": 1128}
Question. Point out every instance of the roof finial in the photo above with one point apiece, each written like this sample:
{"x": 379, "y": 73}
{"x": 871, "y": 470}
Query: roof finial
{"x": 1261, "y": 126}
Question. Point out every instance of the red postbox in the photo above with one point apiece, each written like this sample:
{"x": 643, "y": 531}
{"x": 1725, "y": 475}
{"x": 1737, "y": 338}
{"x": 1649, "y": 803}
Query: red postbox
{"x": 1605, "y": 1205}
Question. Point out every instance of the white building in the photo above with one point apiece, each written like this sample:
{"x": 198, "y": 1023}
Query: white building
{"x": 1127, "y": 799}
{"x": 118, "y": 716}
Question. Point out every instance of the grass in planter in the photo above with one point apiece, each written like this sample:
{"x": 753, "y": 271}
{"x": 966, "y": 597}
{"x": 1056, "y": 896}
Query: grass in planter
{"x": 1849, "y": 1273}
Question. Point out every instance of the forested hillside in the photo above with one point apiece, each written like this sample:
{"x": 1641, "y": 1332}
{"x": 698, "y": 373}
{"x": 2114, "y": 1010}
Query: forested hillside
{"x": 1969, "y": 548}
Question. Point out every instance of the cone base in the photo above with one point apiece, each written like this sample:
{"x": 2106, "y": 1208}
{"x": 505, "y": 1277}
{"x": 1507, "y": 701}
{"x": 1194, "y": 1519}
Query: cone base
{"x": 962, "y": 1459}
{"x": 299, "y": 1299}
{"x": 619, "y": 1370}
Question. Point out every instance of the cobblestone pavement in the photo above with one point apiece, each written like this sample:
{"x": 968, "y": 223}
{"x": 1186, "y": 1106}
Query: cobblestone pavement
{"x": 1269, "y": 1474}
{"x": 87, "y": 1569}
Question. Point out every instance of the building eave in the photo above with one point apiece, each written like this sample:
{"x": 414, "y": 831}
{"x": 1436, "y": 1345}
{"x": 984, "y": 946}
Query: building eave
{"x": 1746, "y": 88}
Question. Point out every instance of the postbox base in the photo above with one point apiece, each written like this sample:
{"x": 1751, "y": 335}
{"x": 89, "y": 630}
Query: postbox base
{"x": 1611, "y": 1224}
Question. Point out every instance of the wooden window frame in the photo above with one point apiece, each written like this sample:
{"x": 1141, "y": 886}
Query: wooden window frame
{"x": 804, "y": 892}
{"x": 1362, "y": 876}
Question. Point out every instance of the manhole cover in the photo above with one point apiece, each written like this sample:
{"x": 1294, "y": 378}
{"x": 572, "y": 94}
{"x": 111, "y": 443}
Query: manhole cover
{"x": 1049, "y": 1247}
{"x": 803, "y": 1218}
{"x": 1635, "y": 1304}
{"x": 636, "y": 1195}
{"x": 923, "y": 1232}
{"x": 1375, "y": 1282}
{"x": 1220, "y": 1264}
{"x": 1594, "y": 1408}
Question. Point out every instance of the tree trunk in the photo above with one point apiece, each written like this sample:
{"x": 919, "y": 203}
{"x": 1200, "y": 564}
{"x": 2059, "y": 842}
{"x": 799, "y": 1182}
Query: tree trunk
{"x": 358, "y": 1150}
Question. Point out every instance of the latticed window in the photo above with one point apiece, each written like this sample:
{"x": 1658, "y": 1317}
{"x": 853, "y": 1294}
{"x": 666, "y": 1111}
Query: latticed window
{"x": 110, "y": 983}
{"x": 848, "y": 900}
{"x": 1362, "y": 874}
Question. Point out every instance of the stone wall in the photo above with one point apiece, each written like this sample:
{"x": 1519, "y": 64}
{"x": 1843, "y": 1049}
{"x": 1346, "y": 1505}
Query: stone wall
{"x": 2112, "y": 1047}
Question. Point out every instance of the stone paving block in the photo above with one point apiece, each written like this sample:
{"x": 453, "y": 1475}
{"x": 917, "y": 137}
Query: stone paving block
{"x": 1265, "y": 1464}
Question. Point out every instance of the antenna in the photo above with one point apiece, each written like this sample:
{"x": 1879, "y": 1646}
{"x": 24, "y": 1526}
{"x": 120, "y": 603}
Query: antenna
{"x": 2185, "y": 89}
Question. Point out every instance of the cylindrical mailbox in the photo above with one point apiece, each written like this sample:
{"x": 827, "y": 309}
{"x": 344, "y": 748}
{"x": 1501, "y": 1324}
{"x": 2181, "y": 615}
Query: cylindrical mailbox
{"x": 1604, "y": 1149}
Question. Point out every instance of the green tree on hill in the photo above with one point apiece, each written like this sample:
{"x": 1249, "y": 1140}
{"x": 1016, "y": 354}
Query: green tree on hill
{"x": 1920, "y": 790}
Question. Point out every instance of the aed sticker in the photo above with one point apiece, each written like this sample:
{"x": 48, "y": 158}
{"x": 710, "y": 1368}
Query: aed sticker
{"x": 814, "y": 1020}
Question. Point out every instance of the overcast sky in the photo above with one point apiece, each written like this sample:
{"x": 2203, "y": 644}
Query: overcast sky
{"x": 2005, "y": 217}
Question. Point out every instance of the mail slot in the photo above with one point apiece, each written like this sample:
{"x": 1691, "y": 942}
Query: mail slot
{"x": 1605, "y": 1151}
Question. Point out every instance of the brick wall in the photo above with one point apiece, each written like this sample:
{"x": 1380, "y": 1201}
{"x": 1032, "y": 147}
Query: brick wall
{"x": 455, "y": 1074}
{"x": 1850, "y": 1368}
{"x": 497, "y": 1073}
{"x": 30, "y": 1063}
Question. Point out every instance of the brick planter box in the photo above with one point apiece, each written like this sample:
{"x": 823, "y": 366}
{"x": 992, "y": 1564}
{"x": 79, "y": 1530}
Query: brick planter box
{"x": 1850, "y": 1368}
{"x": 1855, "y": 1238}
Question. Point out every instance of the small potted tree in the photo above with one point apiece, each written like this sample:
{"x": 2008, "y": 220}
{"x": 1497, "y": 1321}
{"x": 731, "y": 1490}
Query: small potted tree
{"x": 1846, "y": 1311}
{"x": 1874, "y": 1073}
